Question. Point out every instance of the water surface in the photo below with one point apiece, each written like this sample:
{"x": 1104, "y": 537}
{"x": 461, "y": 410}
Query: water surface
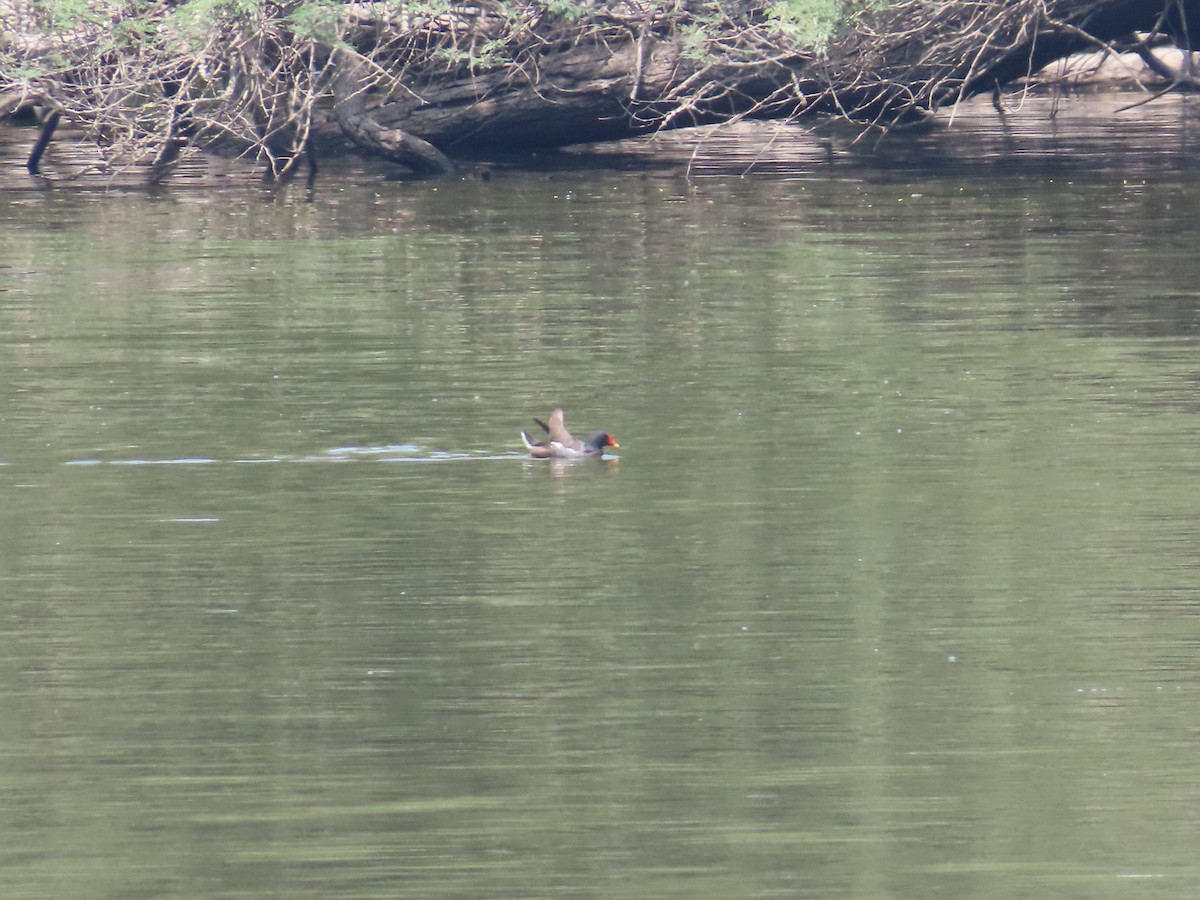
{"x": 891, "y": 592}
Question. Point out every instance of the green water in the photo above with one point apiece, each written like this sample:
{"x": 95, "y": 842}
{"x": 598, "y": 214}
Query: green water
{"x": 892, "y": 590}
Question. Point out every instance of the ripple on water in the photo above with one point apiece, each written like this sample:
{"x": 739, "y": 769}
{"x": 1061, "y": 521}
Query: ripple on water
{"x": 387, "y": 453}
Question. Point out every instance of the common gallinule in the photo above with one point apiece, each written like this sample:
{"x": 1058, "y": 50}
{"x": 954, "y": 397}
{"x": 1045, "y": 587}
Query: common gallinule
{"x": 562, "y": 444}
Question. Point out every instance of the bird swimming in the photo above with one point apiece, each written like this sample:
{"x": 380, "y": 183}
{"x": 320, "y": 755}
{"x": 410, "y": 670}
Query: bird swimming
{"x": 561, "y": 444}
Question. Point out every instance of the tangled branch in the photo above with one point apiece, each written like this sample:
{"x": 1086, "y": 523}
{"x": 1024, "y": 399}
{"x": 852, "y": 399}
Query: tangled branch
{"x": 151, "y": 80}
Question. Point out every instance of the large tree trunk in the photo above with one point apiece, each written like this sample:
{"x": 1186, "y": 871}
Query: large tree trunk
{"x": 624, "y": 72}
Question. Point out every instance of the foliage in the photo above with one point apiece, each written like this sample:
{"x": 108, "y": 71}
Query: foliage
{"x": 808, "y": 23}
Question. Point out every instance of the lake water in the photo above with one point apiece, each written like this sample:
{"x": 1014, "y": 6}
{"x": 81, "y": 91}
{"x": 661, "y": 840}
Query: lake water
{"x": 892, "y": 591}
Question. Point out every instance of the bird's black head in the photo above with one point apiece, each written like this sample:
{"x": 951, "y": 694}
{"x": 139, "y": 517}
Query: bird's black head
{"x": 600, "y": 440}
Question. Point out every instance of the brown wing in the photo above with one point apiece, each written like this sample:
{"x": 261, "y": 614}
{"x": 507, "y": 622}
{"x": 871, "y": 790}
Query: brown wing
{"x": 557, "y": 429}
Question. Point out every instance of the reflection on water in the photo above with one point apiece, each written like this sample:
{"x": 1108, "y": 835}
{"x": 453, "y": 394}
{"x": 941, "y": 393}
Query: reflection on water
{"x": 891, "y": 593}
